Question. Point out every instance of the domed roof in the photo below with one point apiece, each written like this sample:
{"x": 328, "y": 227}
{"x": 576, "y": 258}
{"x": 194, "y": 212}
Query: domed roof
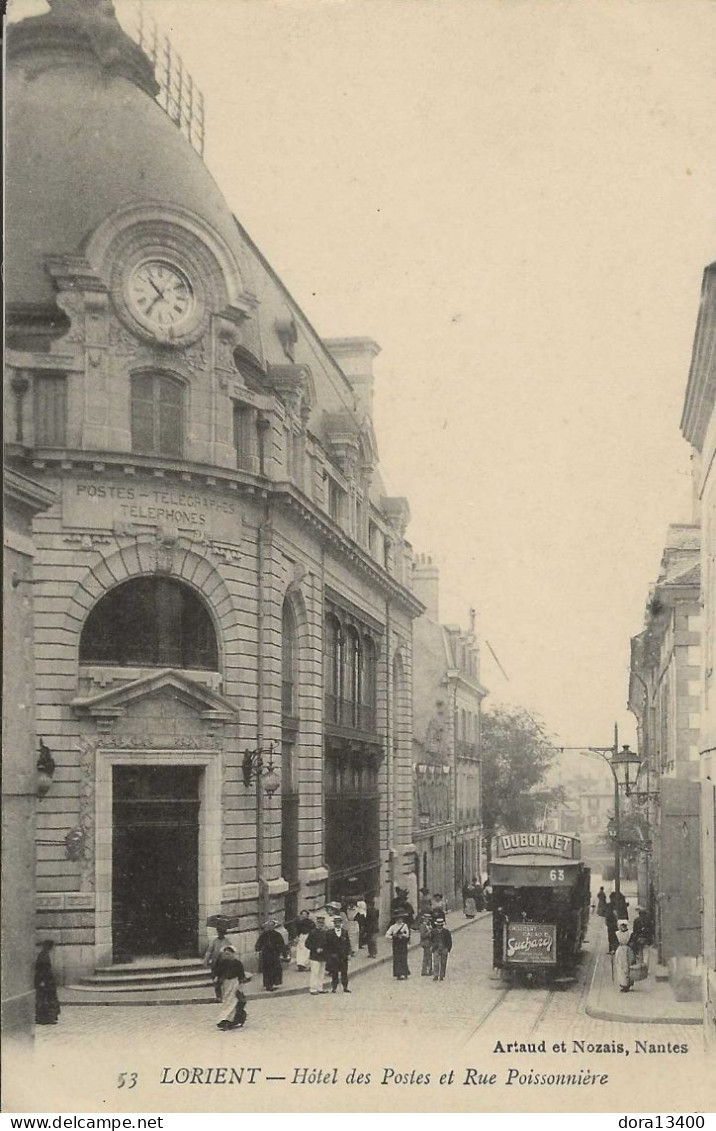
{"x": 85, "y": 138}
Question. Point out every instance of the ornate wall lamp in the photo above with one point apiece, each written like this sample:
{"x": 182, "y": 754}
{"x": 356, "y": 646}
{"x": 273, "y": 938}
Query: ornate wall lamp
{"x": 45, "y": 770}
{"x": 258, "y": 767}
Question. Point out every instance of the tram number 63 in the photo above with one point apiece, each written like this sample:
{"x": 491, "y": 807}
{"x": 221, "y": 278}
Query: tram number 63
{"x": 556, "y": 874}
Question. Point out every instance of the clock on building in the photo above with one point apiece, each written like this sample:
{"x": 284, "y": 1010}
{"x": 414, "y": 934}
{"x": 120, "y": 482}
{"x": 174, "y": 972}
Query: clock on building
{"x": 160, "y": 296}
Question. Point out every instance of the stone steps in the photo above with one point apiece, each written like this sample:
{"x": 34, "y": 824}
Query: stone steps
{"x": 158, "y": 981}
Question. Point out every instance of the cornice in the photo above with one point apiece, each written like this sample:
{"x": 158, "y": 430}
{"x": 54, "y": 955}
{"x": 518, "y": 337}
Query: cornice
{"x": 284, "y": 494}
{"x": 24, "y": 492}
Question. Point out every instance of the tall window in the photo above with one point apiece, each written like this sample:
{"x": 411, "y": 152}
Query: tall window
{"x": 244, "y": 436}
{"x": 289, "y": 658}
{"x": 150, "y": 622}
{"x": 334, "y": 664}
{"x": 50, "y": 410}
{"x": 337, "y": 501}
{"x": 157, "y": 414}
{"x": 352, "y": 678}
{"x": 369, "y": 685}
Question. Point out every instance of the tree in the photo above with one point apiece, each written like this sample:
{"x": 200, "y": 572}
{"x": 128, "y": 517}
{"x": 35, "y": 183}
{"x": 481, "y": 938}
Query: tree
{"x": 517, "y": 752}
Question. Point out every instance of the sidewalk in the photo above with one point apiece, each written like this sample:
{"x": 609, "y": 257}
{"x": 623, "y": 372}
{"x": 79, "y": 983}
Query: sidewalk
{"x": 294, "y": 981}
{"x": 648, "y": 1002}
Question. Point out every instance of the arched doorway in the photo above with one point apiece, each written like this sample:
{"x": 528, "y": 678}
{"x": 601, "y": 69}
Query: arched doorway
{"x": 155, "y": 800}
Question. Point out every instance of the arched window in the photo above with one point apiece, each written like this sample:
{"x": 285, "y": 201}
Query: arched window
{"x": 150, "y": 622}
{"x": 334, "y": 668}
{"x": 289, "y": 663}
{"x": 157, "y": 414}
{"x": 352, "y": 678}
{"x": 369, "y": 685}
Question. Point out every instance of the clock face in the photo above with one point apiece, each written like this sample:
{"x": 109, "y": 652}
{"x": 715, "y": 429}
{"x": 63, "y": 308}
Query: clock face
{"x": 160, "y": 295}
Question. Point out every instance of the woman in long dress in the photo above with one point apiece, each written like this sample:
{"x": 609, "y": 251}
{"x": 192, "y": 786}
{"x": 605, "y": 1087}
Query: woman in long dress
{"x": 230, "y": 976}
{"x": 623, "y": 958}
{"x": 47, "y": 1006}
{"x": 352, "y": 927}
{"x": 399, "y": 935}
{"x": 304, "y": 926}
{"x": 271, "y": 948}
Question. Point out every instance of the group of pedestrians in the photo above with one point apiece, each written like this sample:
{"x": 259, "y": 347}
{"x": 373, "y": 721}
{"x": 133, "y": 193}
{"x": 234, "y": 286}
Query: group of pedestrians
{"x": 629, "y": 949}
{"x": 435, "y": 938}
{"x": 326, "y": 940}
{"x": 329, "y": 938}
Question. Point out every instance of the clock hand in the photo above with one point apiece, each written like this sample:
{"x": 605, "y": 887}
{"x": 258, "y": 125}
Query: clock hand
{"x": 160, "y": 294}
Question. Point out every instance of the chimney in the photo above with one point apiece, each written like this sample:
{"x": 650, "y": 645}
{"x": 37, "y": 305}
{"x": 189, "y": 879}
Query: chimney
{"x": 425, "y": 579}
{"x": 355, "y": 358}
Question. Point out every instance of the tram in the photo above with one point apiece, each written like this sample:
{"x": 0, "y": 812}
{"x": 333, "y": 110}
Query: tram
{"x": 540, "y": 905}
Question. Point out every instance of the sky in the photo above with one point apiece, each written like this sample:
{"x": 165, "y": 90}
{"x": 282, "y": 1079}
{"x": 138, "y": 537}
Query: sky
{"x": 515, "y": 200}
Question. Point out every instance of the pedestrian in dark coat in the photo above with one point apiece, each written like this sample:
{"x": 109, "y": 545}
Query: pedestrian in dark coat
{"x": 601, "y": 902}
{"x": 622, "y": 906}
{"x": 441, "y": 941}
{"x": 47, "y": 1006}
{"x": 338, "y": 950}
{"x": 399, "y": 934}
{"x": 611, "y": 919}
{"x": 372, "y": 919}
{"x": 231, "y": 976}
{"x": 640, "y": 937}
{"x": 271, "y": 948}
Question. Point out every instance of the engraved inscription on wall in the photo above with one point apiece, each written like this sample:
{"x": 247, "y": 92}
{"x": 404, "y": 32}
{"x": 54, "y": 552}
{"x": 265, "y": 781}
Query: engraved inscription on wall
{"x": 103, "y": 504}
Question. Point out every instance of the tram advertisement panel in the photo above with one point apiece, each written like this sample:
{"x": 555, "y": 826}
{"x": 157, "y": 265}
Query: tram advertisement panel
{"x": 534, "y": 943}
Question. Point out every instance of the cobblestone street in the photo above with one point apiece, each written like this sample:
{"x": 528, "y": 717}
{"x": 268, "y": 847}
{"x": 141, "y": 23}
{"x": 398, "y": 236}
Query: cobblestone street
{"x": 417, "y": 1026}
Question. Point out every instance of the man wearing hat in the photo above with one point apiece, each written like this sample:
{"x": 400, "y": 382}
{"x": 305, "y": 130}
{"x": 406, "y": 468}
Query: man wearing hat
{"x": 316, "y": 946}
{"x": 337, "y": 949}
{"x": 441, "y": 942}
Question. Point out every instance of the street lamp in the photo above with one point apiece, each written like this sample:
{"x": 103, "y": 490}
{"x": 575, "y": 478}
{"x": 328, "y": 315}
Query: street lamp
{"x": 624, "y": 766}
{"x": 255, "y": 769}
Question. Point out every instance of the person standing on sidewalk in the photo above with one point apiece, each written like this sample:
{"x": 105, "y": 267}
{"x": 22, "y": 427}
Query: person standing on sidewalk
{"x": 230, "y": 975}
{"x": 623, "y": 958}
{"x": 337, "y": 950}
{"x": 212, "y": 952}
{"x": 271, "y": 948}
{"x": 425, "y": 925}
{"x": 641, "y": 936}
{"x": 441, "y": 942}
{"x": 611, "y": 919}
{"x": 399, "y": 935}
{"x": 47, "y": 1005}
{"x": 372, "y": 919}
{"x": 304, "y": 926}
{"x": 316, "y": 946}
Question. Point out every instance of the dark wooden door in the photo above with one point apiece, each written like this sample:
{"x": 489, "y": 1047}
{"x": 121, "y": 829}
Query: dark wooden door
{"x": 155, "y": 861}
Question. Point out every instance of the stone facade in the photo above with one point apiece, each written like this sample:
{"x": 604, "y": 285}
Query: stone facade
{"x": 23, "y": 499}
{"x": 698, "y": 424}
{"x": 219, "y": 511}
{"x": 664, "y": 697}
{"x": 447, "y": 701}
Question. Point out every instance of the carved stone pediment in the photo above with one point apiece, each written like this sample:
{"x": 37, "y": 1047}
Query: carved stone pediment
{"x": 106, "y": 706}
